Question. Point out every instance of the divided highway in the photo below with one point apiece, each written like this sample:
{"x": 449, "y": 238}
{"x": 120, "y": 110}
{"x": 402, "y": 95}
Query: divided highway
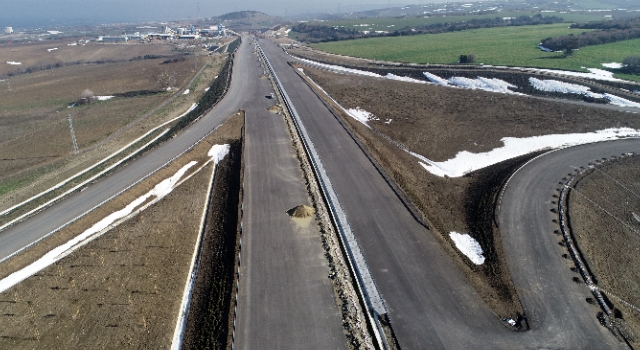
{"x": 430, "y": 303}
{"x": 286, "y": 300}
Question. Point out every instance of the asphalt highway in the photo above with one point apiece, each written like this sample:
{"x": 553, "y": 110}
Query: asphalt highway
{"x": 430, "y": 303}
{"x": 286, "y": 299}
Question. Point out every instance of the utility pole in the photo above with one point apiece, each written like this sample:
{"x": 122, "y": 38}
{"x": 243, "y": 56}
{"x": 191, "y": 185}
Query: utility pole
{"x": 73, "y": 135}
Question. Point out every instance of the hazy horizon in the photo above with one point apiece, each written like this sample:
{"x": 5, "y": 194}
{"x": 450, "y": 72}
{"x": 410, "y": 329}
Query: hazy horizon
{"x": 39, "y": 13}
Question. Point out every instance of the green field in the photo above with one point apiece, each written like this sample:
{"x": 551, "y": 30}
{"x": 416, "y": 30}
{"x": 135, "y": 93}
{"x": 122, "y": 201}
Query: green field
{"x": 510, "y": 46}
{"x": 391, "y": 24}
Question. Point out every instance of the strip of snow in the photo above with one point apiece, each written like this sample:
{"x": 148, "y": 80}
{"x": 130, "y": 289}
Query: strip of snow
{"x": 435, "y": 79}
{"x": 465, "y": 162}
{"x": 468, "y": 246}
{"x": 186, "y": 92}
{"x": 14, "y": 63}
{"x": 562, "y": 87}
{"x": 567, "y": 88}
{"x": 594, "y": 73}
{"x": 360, "y": 115}
{"x": 159, "y": 191}
{"x": 104, "y": 98}
{"x": 619, "y": 101}
{"x": 480, "y": 83}
{"x": 340, "y": 69}
{"x": 218, "y": 152}
{"x": 55, "y": 48}
{"x": 207, "y": 89}
{"x": 486, "y": 84}
{"x": 405, "y": 79}
{"x": 613, "y": 65}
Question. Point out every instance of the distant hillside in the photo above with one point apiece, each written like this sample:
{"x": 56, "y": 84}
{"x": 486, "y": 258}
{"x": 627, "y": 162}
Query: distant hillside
{"x": 246, "y": 20}
{"x": 242, "y": 15}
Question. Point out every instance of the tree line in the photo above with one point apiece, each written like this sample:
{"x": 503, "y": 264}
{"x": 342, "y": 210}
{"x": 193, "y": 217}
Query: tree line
{"x": 321, "y": 33}
{"x": 606, "y": 32}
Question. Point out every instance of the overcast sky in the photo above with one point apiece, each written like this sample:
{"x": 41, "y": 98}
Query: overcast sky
{"x": 20, "y": 13}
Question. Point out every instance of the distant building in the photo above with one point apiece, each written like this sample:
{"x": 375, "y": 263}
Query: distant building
{"x": 189, "y": 37}
{"x": 115, "y": 39}
{"x": 8, "y": 30}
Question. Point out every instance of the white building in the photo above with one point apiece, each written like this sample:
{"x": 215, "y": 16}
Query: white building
{"x": 8, "y": 30}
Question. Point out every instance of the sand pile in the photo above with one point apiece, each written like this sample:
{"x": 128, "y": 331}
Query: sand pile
{"x": 274, "y": 109}
{"x": 301, "y": 212}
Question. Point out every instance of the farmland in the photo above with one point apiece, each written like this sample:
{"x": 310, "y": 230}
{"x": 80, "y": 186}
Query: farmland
{"x": 510, "y": 46}
{"x": 34, "y": 130}
{"x": 391, "y": 24}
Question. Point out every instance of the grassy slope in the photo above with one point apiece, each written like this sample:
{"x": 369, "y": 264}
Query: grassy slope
{"x": 512, "y": 46}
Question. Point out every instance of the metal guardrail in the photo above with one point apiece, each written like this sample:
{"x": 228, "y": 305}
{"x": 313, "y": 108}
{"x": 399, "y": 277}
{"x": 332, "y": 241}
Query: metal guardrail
{"x": 364, "y": 280}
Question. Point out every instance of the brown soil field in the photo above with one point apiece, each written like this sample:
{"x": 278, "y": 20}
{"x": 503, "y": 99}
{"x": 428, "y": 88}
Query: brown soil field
{"x": 121, "y": 290}
{"x": 35, "y": 140}
{"x": 610, "y": 241}
{"x": 36, "y": 54}
{"x": 438, "y": 123}
{"x": 124, "y": 288}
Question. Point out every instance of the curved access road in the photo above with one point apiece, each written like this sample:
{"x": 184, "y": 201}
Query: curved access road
{"x": 551, "y": 299}
{"x": 431, "y": 304}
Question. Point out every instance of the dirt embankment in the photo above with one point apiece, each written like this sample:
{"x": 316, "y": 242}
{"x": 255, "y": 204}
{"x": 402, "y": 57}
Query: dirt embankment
{"x": 124, "y": 288}
{"x": 604, "y": 214}
{"x": 121, "y": 290}
{"x": 210, "y": 319}
{"x": 438, "y": 123}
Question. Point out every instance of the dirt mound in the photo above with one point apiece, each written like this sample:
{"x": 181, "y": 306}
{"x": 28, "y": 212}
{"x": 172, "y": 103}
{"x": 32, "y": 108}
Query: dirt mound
{"x": 301, "y": 212}
{"x": 263, "y": 77}
{"x": 274, "y": 109}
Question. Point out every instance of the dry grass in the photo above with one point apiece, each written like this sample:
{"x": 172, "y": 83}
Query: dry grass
{"x": 610, "y": 243}
{"x": 125, "y": 287}
{"x": 35, "y": 53}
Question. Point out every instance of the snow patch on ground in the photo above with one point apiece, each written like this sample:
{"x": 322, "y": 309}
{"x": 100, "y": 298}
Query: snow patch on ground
{"x": 613, "y": 65}
{"x": 341, "y": 69}
{"x": 465, "y": 162}
{"x": 468, "y": 246}
{"x": 159, "y": 191}
{"x": 14, "y": 63}
{"x": 103, "y": 98}
{"x": 207, "y": 89}
{"x": 594, "y": 73}
{"x": 218, "y": 152}
{"x": 567, "y": 88}
{"x": 186, "y": 92}
{"x": 361, "y": 115}
{"x": 55, "y": 48}
{"x": 405, "y": 79}
{"x": 480, "y": 83}
{"x": 435, "y": 79}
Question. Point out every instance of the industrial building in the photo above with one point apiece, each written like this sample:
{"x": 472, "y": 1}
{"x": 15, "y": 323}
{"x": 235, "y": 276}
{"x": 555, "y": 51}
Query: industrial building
{"x": 8, "y": 30}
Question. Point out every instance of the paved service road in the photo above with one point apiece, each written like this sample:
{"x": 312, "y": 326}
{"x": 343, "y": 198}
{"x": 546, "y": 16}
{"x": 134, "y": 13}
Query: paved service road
{"x": 430, "y": 303}
{"x": 286, "y": 300}
{"x": 551, "y": 299}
